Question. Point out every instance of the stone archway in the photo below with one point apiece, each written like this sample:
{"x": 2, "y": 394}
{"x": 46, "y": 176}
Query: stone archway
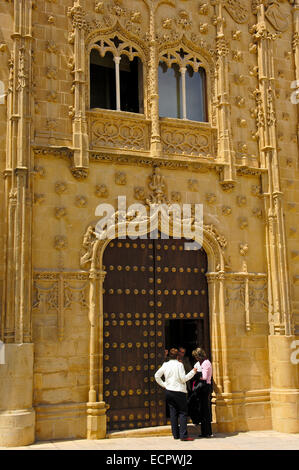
{"x": 214, "y": 245}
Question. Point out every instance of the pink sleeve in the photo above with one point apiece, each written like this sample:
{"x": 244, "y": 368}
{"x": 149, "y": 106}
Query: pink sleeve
{"x": 205, "y": 370}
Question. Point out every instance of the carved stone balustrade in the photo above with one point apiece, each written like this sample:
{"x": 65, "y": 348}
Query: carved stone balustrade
{"x": 190, "y": 138}
{"x": 118, "y": 130}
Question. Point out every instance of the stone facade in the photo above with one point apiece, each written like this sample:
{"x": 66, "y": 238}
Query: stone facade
{"x": 59, "y": 159}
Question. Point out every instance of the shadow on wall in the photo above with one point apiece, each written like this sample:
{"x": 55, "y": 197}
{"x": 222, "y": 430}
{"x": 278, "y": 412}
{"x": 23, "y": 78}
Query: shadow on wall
{"x": 2, "y": 353}
{"x": 2, "y": 93}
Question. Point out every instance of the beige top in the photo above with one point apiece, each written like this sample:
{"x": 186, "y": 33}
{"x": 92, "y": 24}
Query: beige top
{"x": 175, "y": 376}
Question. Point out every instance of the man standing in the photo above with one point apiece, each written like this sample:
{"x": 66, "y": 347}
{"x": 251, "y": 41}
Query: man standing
{"x": 176, "y": 393}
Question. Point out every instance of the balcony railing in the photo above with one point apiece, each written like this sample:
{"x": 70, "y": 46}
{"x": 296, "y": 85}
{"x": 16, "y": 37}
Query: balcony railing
{"x": 189, "y": 138}
{"x": 118, "y": 130}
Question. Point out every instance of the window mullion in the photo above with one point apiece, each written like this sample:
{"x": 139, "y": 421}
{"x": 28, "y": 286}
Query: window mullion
{"x": 183, "y": 74}
{"x": 117, "y": 82}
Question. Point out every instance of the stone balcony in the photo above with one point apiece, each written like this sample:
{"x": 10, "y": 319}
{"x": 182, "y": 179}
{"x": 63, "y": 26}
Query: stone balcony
{"x": 188, "y": 138}
{"x": 116, "y": 131}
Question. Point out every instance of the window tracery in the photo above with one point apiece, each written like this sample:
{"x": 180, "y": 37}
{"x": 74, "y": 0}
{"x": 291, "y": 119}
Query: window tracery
{"x": 125, "y": 91}
{"x": 182, "y": 85}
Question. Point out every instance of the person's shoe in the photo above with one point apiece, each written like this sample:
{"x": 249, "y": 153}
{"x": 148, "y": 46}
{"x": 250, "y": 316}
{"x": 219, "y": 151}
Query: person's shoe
{"x": 205, "y": 435}
{"x": 187, "y": 439}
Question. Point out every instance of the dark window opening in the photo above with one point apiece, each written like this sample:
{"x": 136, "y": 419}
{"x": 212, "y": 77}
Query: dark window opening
{"x": 103, "y": 79}
{"x": 131, "y": 86}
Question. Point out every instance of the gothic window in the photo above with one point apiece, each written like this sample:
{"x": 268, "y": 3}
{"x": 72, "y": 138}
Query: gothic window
{"x": 116, "y": 77}
{"x": 182, "y": 87}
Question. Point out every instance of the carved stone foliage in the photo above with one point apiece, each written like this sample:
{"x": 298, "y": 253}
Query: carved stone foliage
{"x": 139, "y": 193}
{"x": 118, "y": 132}
{"x": 39, "y": 198}
{"x": 81, "y": 201}
{"x": 211, "y": 198}
{"x": 60, "y": 212}
{"x": 219, "y": 237}
{"x": 120, "y": 178}
{"x": 241, "y": 201}
{"x": 226, "y": 210}
{"x": 101, "y": 190}
{"x": 243, "y": 247}
{"x": 193, "y": 185}
{"x": 59, "y": 291}
{"x": 157, "y": 186}
{"x": 243, "y": 223}
{"x": 176, "y": 196}
{"x": 188, "y": 139}
{"x": 181, "y": 23}
{"x": 60, "y": 187}
{"x": 60, "y": 242}
{"x": 108, "y": 13}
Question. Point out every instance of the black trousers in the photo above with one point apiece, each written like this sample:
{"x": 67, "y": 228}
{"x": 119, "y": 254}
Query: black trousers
{"x": 206, "y": 411}
{"x": 178, "y": 409}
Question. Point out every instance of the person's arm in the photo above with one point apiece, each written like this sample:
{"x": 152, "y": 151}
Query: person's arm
{"x": 158, "y": 376}
{"x": 205, "y": 367}
{"x": 185, "y": 377}
{"x": 197, "y": 366}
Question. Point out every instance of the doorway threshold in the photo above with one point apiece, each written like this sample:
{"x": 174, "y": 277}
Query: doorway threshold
{"x": 149, "y": 432}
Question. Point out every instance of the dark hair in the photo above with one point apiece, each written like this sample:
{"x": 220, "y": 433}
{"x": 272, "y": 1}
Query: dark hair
{"x": 173, "y": 353}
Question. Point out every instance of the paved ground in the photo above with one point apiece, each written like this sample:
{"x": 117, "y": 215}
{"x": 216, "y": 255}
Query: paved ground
{"x": 255, "y": 440}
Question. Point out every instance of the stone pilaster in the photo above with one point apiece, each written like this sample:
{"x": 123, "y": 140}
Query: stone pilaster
{"x": 226, "y": 153}
{"x": 17, "y": 417}
{"x": 80, "y": 135}
{"x": 17, "y": 422}
{"x": 284, "y": 384}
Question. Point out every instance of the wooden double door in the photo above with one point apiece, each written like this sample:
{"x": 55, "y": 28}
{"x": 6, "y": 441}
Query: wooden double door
{"x": 155, "y": 297}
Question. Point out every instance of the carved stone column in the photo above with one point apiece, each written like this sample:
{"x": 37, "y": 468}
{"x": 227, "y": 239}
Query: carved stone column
{"x": 284, "y": 376}
{"x": 17, "y": 418}
{"x": 226, "y": 153}
{"x": 279, "y": 318}
{"x": 223, "y": 409}
{"x": 296, "y": 46}
{"x": 156, "y": 147}
{"x": 80, "y": 134}
{"x": 96, "y": 408}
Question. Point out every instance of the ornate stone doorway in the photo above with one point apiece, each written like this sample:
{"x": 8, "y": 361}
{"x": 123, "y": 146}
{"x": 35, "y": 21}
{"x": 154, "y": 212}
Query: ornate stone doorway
{"x": 153, "y": 291}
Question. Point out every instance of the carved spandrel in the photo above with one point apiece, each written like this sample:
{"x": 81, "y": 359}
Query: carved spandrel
{"x": 59, "y": 291}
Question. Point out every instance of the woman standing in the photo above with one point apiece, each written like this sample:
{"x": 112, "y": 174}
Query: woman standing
{"x": 205, "y": 366}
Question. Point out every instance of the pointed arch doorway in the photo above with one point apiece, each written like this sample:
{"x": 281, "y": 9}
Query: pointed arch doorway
{"x": 155, "y": 297}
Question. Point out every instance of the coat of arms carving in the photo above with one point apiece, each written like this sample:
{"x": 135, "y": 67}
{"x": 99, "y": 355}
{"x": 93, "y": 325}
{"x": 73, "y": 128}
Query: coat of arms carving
{"x": 237, "y": 10}
{"x": 276, "y": 17}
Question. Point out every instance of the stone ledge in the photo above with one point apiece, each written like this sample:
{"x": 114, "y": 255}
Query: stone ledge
{"x": 153, "y": 431}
